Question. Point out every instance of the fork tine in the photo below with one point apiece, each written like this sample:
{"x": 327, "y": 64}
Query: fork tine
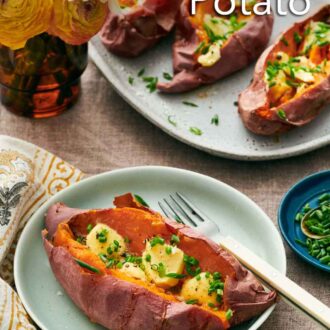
{"x": 165, "y": 210}
{"x": 192, "y": 208}
{"x": 175, "y": 215}
{"x": 183, "y": 211}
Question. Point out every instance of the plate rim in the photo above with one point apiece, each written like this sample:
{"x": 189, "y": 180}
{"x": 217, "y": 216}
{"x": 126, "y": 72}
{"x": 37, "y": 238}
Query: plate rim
{"x": 38, "y": 214}
{"x": 280, "y": 219}
{"x": 159, "y": 122}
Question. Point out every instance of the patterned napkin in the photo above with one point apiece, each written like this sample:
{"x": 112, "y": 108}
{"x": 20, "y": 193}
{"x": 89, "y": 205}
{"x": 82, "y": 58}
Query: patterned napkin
{"x": 29, "y": 176}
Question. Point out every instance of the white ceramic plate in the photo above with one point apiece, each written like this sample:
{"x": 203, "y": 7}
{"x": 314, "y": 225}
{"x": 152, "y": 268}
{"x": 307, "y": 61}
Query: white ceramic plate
{"x": 230, "y": 139}
{"x": 236, "y": 215}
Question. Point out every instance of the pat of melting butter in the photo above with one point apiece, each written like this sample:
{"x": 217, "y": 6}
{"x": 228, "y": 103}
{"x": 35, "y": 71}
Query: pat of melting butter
{"x": 158, "y": 262}
{"x": 212, "y": 56}
{"x": 112, "y": 242}
{"x": 197, "y": 289}
{"x": 133, "y": 270}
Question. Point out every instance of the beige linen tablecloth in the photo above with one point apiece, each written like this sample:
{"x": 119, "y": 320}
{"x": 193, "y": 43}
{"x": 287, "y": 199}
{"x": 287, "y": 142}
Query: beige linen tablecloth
{"x": 103, "y": 133}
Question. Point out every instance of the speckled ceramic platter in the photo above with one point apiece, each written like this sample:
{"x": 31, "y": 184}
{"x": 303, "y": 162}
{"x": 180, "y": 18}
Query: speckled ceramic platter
{"x": 229, "y": 139}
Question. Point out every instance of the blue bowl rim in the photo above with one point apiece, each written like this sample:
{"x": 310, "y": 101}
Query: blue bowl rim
{"x": 280, "y": 211}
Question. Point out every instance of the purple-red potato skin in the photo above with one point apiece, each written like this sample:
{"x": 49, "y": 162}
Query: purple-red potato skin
{"x": 131, "y": 34}
{"x": 118, "y": 304}
{"x": 299, "y": 110}
{"x": 242, "y": 48}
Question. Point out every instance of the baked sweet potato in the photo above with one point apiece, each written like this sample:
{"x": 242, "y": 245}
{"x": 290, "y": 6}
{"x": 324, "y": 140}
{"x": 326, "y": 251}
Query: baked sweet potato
{"x": 209, "y": 47}
{"x": 136, "y": 25}
{"x": 292, "y": 79}
{"x": 129, "y": 268}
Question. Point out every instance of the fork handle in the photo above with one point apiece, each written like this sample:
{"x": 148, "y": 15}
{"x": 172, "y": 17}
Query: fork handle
{"x": 282, "y": 284}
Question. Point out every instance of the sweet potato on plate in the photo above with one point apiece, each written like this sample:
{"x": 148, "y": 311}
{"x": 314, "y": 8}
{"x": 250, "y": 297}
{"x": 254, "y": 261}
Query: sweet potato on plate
{"x": 292, "y": 79}
{"x": 209, "y": 47}
{"x": 136, "y": 25}
{"x": 130, "y": 268}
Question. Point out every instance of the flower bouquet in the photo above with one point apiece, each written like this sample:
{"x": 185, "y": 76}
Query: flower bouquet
{"x": 43, "y": 52}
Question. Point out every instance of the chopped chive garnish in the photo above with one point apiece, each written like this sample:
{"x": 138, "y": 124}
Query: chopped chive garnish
{"x": 81, "y": 240}
{"x": 281, "y": 114}
{"x": 200, "y": 47}
{"x": 192, "y": 301}
{"x": 89, "y": 228}
{"x": 215, "y": 120}
{"x": 171, "y": 120}
{"x": 175, "y": 275}
{"x": 161, "y": 270}
{"x": 102, "y": 236}
{"x": 154, "y": 267}
{"x": 196, "y": 131}
{"x": 324, "y": 197}
{"x": 119, "y": 265}
{"x": 190, "y": 104}
{"x": 148, "y": 258}
{"x": 191, "y": 265}
{"x": 103, "y": 257}
{"x": 175, "y": 240}
{"x": 130, "y": 80}
{"x": 151, "y": 83}
{"x": 285, "y": 41}
{"x": 299, "y": 217}
{"x": 167, "y": 76}
{"x": 87, "y": 266}
{"x": 111, "y": 262}
{"x": 292, "y": 83}
{"x": 141, "y": 200}
{"x": 300, "y": 242}
{"x": 157, "y": 240}
{"x": 168, "y": 250}
{"x": 297, "y": 38}
{"x": 229, "y": 314}
{"x": 141, "y": 72}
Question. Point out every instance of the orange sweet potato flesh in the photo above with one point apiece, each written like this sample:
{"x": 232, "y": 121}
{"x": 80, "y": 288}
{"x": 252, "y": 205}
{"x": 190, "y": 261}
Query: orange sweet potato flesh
{"x": 243, "y": 294}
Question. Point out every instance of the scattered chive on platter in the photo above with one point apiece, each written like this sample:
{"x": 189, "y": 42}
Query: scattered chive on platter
{"x": 206, "y": 118}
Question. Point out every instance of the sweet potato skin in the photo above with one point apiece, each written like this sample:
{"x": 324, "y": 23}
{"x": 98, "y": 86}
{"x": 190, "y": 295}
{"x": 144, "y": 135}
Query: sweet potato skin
{"x": 98, "y": 295}
{"x": 117, "y": 304}
{"x": 131, "y": 34}
{"x": 300, "y": 110}
{"x": 243, "y": 47}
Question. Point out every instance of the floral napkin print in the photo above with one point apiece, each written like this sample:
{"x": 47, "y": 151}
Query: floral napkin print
{"x": 29, "y": 176}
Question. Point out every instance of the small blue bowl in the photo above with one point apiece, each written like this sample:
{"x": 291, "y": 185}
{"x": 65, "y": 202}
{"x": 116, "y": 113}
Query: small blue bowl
{"x": 305, "y": 191}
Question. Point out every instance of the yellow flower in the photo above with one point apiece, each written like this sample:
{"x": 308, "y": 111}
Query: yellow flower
{"x": 21, "y": 20}
{"x": 76, "y": 21}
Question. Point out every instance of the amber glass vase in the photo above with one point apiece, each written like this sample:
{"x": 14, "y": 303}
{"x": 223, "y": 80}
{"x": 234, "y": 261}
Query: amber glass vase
{"x": 43, "y": 78}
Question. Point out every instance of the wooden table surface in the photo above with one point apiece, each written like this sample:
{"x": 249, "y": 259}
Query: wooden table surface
{"x": 103, "y": 133}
